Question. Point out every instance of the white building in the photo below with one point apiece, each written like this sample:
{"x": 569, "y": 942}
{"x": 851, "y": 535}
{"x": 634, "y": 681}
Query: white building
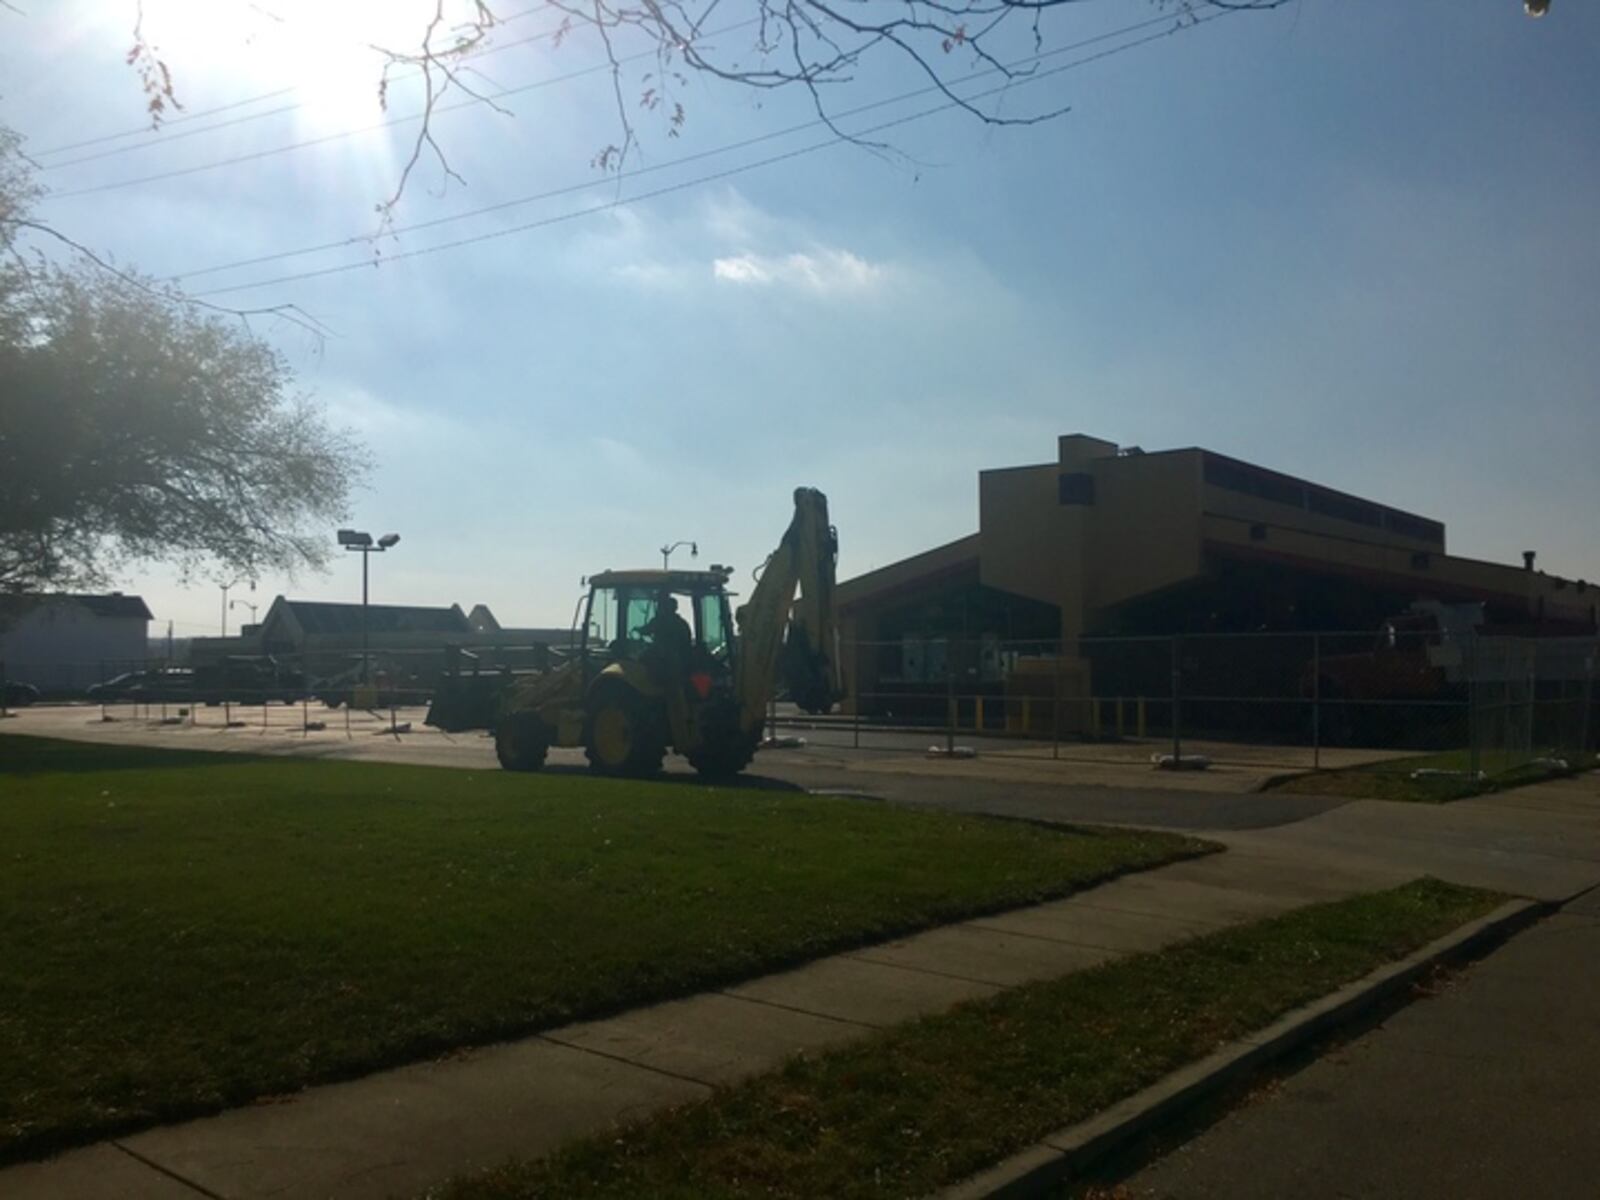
{"x": 63, "y": 643}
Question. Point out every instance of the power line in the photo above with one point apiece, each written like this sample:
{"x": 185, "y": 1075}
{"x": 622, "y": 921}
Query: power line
{"x": 279, "y": 111}
{"x": 684, "y": 185}
{"x": 159, "y": 136}
{"x": 255, "y": 155}
{"x": 699, "y": 156}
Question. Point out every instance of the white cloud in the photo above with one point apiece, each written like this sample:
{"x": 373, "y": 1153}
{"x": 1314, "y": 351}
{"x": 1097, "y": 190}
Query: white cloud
{"x": 376, "y": 419}
{"x": 826, "y": 271}
{"x": 650, "y": 274}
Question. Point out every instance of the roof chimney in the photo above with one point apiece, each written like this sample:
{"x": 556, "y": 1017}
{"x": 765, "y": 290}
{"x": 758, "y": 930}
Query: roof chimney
{"x": 1527, "y": 559}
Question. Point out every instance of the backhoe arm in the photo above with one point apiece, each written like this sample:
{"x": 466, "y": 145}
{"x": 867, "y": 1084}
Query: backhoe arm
{"x": 777, "y": 633}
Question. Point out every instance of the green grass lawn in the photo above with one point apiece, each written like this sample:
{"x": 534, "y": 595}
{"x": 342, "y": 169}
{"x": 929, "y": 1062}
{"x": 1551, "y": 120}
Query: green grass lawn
{"x": 1391, "y": 779}
{"x": 926, "y": 1104}
{"x": 184, "y": 931}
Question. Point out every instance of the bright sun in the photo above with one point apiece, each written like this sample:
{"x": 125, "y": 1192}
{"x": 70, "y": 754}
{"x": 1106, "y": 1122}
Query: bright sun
{"x": 330, "y": 54}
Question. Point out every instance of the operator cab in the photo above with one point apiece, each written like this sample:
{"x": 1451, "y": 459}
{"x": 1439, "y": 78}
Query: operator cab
{"x": 622, "y": 604}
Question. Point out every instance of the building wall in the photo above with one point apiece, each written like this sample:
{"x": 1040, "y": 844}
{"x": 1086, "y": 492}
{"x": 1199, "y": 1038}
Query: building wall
{"x": 1146, "y": 529}
{"x": 61, "y": 646}
{"x": 1025, "y": 539}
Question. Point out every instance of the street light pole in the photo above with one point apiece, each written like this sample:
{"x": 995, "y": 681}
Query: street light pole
{"x": 360, "y": 541}
{"x": 366, "y": 653}
{"x": 232, "y": 583}
{"x": 666, "y": 553}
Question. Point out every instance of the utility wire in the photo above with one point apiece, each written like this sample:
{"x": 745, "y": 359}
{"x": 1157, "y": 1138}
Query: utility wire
{"x": 699, "y": 156}
{"x": 684, "y": 185}
{"x": 255, "y": 155}
{"x": 160, "y": 137}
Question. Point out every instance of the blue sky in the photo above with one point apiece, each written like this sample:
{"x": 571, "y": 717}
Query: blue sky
{"x": 1354, "y": 241}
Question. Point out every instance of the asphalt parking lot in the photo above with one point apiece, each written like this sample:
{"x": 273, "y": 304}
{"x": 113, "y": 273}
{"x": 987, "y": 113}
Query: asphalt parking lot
{"x": 1109, "y": 783}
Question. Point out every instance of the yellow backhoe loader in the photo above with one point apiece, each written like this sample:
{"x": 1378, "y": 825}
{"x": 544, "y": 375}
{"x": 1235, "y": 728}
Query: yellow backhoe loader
{"x": 626, "y": 701}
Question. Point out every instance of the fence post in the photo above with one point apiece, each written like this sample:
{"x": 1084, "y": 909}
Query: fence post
{"x": 1177, "y": 675}
{"x": 1316, "y": 702}
{"x": 1055, "y": 711}
{"x": 1588, "y": 700}
{"x": 1474, "y": 699}
{"x": 305, "y": 698}
{"x": 857, "y": 722}
{"x": 950, "y": 714}
{"x": 227, "y": 705}
{"x": 4, "y": 711}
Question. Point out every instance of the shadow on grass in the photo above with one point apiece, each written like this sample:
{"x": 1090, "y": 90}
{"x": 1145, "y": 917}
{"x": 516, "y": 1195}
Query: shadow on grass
{"x": 24, "y": 755}
{"x": 742, "y": 783}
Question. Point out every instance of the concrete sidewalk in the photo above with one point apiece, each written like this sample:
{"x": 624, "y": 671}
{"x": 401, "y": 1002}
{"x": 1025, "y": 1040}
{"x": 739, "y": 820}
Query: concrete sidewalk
{"x": 1485, "y": 1090}
{"x": 400, "y": 1131}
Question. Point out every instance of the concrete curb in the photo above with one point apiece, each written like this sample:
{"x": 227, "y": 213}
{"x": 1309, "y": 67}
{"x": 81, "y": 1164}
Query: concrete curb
{"x": 1072, "y": 1152}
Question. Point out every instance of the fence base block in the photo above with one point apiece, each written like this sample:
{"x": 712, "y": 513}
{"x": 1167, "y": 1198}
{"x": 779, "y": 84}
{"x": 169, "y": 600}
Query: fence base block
{"x": 1180, "y": 762}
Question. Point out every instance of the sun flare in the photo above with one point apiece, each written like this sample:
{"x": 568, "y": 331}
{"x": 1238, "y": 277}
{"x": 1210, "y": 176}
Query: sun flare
{"x": 332, "y": 55}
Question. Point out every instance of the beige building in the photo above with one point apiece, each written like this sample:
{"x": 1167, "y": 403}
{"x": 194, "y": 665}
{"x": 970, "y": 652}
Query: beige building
{"x": 1109, "y": 540}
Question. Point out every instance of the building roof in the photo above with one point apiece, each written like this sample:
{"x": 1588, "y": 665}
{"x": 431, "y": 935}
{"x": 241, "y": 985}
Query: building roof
{"x": 110, "y": 604}
{"x": 481, "y": 619}
{"x": 916, "y": 571}
{"x": 116, "y": 605}
{"x": 323, "y": 617}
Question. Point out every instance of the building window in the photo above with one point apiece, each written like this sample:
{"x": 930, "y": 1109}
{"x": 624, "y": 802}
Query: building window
{"x": 1420, "y": 528}
{"x": 1075, "y": 487}
{"x": 1344, "y": 508}
{"x": 1420, "y": 561}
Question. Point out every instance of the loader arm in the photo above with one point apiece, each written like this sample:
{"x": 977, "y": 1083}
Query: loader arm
{"x": 776, "y": 633}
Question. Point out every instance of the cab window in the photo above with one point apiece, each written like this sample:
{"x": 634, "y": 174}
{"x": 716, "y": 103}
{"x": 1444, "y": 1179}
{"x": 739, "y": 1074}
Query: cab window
{"x": 602, "y": 626}
{"x": 638, "y": 610}
{"x": 713, "y": 624}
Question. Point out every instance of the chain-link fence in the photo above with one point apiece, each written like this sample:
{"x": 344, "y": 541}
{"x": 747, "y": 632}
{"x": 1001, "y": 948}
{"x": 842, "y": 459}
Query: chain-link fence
{"x": 1422, "y": 698}
{"x": 387, "y": 692}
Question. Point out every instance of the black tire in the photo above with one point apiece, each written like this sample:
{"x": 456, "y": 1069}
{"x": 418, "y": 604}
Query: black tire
{"x": 623, "y": 734}
{"x": 725, "y": 749}
{"x": 521, "y": 742}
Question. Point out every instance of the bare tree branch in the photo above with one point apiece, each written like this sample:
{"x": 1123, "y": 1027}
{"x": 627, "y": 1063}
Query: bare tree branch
{"x": 291, "y": 313}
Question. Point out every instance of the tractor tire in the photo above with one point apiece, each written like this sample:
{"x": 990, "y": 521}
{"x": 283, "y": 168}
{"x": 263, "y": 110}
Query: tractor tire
{"x": 725, "y": 749}
{"x": 624, "y": 735}
{"x": 521, "y": 742}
